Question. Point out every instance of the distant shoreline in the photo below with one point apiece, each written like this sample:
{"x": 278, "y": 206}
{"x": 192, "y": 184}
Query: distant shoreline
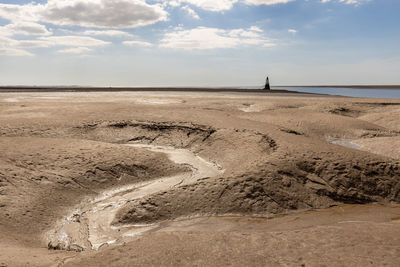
{"x": 286, "y": 90}
{"x": 250, "y": 89}
{"x": 38, "y": 89}
{"x": 385, "y": 87}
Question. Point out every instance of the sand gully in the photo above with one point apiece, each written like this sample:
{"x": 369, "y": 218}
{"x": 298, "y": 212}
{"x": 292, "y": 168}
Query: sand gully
{"x": 90, "y": 226}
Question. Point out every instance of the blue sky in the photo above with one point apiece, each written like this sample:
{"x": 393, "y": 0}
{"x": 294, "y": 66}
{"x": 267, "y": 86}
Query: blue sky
{"x": 199, "y": 42}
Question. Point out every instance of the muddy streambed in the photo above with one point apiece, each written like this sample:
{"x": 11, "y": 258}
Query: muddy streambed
{"x": 90, "y": 224}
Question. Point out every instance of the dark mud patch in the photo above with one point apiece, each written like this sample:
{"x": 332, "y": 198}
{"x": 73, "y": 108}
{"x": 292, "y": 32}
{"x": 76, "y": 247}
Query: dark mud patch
{"x": 373, "y": 134}
{"x": 345, "y": 111}
{"x": 290, "y": 131}
{"x": 379, "y": 104}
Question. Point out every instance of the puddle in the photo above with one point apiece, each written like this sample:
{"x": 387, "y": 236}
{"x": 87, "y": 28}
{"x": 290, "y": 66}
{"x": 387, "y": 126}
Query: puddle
{"x": 90, "y": 225}
{"x": 343, "y": 142}
{"x": 250, "y": 108}
{"x": 157, "y": 101}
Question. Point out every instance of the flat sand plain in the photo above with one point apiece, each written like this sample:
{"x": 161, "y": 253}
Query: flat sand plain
{"x": 262, "y": 179}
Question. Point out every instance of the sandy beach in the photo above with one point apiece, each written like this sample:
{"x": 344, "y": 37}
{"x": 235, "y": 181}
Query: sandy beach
{"x": 186, "y": 177}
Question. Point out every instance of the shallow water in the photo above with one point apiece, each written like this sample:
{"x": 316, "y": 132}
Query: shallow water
{"x": 368, "y": 93}
{"x": 342, "y": 142}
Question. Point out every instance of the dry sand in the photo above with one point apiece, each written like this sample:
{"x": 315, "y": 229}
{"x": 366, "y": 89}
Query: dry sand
{"x": 291, "y": 179}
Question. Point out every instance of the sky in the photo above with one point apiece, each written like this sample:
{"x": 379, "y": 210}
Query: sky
{"x": 199, "y": 42}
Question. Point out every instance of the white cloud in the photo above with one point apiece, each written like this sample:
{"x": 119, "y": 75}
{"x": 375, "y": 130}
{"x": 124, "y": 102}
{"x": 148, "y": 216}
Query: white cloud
{"x": 112, "y": 33}
{"x": 212, "y": 5}
{"x": 87, "y": 13}
{"x": 24, "y": 28}
{"x": 75, "y": 41}
{"x": 354, "y": 2}
{"x": 12, "y": 47}
{"x": 348, "y": 2}
{"x": 8, "y": 51}
{"x": 137, "y": 43}
{"x": 106, "y": 17}
{"x": 223, "y": 5}
{"x": 174, "y": 3}
{"x": 203, "y": 38}
{"x": 17, "y": 13}
{"x": 266, "y": 2}
{"x": 8, "y": 47}
{"x": 119, "y": 13}
{"x": 199, "y": 38}
{"x": 75, "y": 50}
{"x": 237, "y": 33}
{"x": 255, "y": 29}
{"x": 191, "y": 12}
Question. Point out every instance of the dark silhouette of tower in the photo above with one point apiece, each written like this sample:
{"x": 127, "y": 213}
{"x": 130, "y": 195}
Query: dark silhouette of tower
{"x": 267, "y": 87}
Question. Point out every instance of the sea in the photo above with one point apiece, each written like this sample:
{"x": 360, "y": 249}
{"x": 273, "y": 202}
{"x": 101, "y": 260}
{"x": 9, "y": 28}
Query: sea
{"x": 351, "y": 92}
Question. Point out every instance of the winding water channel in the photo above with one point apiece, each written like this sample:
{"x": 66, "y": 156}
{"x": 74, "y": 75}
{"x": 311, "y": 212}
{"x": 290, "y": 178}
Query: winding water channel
{"x": 90, "y": 225}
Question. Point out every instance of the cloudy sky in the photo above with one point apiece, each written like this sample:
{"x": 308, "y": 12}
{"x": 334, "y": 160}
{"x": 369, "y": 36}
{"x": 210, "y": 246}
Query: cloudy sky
{"x": 199, "y": 42}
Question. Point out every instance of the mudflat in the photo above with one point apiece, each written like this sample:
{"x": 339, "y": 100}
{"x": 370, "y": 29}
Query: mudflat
{"x": 198, "y": 178}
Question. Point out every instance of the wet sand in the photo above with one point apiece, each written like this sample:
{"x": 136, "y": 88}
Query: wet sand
{"x": 247, "y": 179}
